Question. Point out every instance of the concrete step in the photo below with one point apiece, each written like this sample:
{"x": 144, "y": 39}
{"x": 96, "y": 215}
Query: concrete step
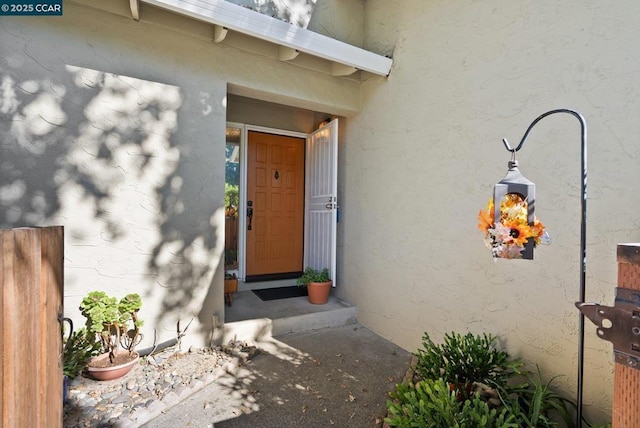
{"x": 289, "y": 316}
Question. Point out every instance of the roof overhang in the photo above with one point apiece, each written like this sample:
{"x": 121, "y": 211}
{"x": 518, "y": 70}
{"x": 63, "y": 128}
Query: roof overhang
{"x": 345, "y": 58}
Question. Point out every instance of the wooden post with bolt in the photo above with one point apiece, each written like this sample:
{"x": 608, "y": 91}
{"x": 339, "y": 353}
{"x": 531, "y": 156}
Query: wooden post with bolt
{"x": 626, "y": 383}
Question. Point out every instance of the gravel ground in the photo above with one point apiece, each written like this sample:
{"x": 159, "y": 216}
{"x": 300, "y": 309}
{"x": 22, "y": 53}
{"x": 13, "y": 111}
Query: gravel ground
{"x": 159, "y": 382}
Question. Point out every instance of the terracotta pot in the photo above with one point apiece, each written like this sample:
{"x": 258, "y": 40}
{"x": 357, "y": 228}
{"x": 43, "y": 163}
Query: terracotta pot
{"x": 319, "y": 292}
{"x": 230, "y": 287}
{"x": 110, "y": 372}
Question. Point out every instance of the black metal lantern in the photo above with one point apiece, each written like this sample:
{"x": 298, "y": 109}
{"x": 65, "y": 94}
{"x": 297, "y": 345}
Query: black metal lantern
{"x": 515, "y": 186}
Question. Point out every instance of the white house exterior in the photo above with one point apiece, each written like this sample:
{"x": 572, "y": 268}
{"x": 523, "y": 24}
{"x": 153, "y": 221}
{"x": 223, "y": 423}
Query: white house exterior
{"x": 115, "y": 129}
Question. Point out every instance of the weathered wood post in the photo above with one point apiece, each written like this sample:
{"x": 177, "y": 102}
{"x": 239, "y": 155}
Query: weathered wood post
{"x": 31, "y": 293}
{"x": 626, "y": 384}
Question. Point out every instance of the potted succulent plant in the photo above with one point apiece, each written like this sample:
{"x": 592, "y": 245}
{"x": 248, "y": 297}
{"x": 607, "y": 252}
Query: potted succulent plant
{"x": 116, "y": 325}
{"x": 318, "y": 285}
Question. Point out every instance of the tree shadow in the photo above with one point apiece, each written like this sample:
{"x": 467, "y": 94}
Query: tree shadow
{"x": 98, "y": 152}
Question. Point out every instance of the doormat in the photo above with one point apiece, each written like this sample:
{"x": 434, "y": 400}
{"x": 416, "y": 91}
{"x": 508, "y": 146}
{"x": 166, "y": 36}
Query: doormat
{"x": 280, "y": 293}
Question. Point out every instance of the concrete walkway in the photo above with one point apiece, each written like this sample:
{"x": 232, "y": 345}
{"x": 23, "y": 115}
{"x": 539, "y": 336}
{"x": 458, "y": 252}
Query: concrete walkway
{"x": 337, "y": 376}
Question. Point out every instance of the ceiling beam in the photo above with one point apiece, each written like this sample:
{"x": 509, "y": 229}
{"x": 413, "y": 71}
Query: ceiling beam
{"x": 287, "y": 54}
{"x": 246, "y": 21}
{"x": 134, "y": 5}
{"x": 219, "y": 33}
{"x": 338, "y": 69}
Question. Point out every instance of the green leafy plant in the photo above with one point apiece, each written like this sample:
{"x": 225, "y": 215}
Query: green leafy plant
{"x": 430, "y": 403}
{"x": 78, "y": 349}
{"x": 313, "y": 275}
{"x": 467, "y": 382}
{"x": 535, "y": 403}
{"x": 115, "y": 323}
{"x": 462, "y": 360}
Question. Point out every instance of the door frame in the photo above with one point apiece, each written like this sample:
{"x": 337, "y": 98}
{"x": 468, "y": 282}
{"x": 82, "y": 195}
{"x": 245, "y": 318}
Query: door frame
{"x": 242, "y": 218}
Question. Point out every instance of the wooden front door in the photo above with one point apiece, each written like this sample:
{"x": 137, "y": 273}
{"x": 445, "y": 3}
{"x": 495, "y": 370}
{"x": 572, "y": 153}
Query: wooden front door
{"x": 275, "y": 204}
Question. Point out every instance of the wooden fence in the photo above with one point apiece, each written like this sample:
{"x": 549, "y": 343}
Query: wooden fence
{"x": 31, "y": 296}
{"x": 231, "y": 240}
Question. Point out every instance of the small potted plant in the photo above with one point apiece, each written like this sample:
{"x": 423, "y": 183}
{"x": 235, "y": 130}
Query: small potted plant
{"x": 115, "y": 324}
{"x": 318, "y": 285}
{"x": 230, "y": 287}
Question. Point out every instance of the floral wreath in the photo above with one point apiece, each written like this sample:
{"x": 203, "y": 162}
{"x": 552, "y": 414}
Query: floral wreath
{"x": 507, "y": 238}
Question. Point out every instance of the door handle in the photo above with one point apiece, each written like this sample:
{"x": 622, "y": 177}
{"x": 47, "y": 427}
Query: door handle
{"x": 249, "y": 213}
{"x": 62, "y": 320}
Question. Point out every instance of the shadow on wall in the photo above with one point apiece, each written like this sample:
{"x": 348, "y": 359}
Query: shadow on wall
{"x": 296, "y": 12}
{"x": 97, "y": 152}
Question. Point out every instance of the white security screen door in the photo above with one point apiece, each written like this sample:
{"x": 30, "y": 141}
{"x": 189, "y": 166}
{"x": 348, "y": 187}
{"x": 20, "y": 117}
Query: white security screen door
{"x": 321, "y": 199}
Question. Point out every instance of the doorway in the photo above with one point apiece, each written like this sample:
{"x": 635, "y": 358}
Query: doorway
{"x": 275, "y": 206}
{"x": 281, "y": 203}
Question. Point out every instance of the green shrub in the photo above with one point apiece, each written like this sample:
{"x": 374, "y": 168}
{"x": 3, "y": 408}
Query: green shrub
{"x": 536, "y": 404}
{"x": 443, "y": 391}
{"x": 463, "y": 360}
{"x": 431, "y": 404}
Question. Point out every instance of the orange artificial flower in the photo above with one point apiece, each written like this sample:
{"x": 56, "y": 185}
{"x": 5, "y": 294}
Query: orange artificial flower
{"x": 537, "y": 230}
{"x": 519, "y": 232}
{"x": 485, "y": 218}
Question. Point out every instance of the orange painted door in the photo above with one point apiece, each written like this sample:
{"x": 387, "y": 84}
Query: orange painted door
{"x": 275, "y": 200}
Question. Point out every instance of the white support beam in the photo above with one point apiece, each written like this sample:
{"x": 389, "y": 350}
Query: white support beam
{"x": 338, "y": 69}
{"x": 287, "y": 54}
{"x": 246, "y": 21}
{"x": 219, "y": 33}
{"x": 135, "y": 9}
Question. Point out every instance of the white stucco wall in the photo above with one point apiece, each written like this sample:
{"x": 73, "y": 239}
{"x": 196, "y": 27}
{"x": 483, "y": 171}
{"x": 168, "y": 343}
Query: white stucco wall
{"x": 425, "y": 151}
{"x": 116, "y": 129}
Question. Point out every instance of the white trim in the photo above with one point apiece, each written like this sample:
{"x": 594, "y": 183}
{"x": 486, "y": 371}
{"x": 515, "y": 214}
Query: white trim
{"x": 243, "y": 20}
{"x": 276, "y": 131}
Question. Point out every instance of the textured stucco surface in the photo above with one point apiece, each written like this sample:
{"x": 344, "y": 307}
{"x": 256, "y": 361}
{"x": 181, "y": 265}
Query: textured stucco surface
{"x": 115, "y": 129}
{"x": 423, "y": 155}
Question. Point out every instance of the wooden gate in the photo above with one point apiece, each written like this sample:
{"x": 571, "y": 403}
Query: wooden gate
{"x": 31, "y": 296}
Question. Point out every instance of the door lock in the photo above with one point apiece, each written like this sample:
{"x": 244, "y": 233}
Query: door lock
{"x": 332, "y": 203}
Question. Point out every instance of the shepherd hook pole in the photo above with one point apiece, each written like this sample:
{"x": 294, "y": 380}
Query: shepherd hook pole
{"x": 583, "y": 240}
